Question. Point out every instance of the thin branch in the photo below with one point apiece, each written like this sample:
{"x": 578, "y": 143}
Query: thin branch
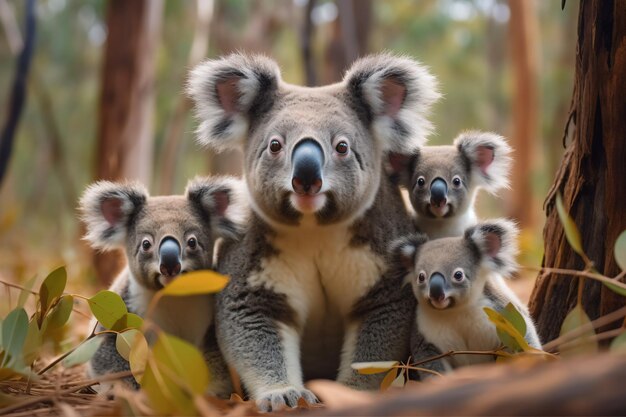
{"x": 610, "y": 334}
{"x": 19, "y": 287}
{"x": 585, "y": 274}
{"x": 461, "y": 352}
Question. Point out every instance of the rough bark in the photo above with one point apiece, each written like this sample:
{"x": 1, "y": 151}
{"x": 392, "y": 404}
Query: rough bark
{"x": 524, "y": 56}
{"x": 592, "y": 176}
{"x": 125, "y": 143}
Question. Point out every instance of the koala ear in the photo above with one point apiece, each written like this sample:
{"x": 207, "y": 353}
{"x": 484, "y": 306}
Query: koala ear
{"x": 489, "y": 157}
{"x": 496, "y": 241}
{"x": 228, "y": 92}
{"x": 400, "y": 166}
{"x": 404, "y": 250}
{"x": 107, "y": 209}
{"x": 394, "y": 95}
{"x": 222, "y": 199}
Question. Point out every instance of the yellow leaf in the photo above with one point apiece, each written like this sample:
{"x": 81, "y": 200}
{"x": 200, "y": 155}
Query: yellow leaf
{"x": 586, "y": 343}
{"x": 571, "y": 230}
{"x": 138, "y": 355}
{"x": 388, "y": 379}
{"x": 507, "y": 332}
{"x": 196, "y": 282}
{"x": 108, "y": 307}
{"x": 369, "y": 368}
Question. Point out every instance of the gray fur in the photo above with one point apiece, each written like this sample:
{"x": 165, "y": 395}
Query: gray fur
{"x": 480, "y": 160}
{"x": 483, "y": 256}
{"x": 284, "y": 316}
{"x": 209, "y": 210}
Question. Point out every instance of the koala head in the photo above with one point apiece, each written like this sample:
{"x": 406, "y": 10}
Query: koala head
{"x": 313, "y": 152}
{"x": 443, "y": 180}
{"x": 452, "y": 272}
{"x": 162, "y": 236}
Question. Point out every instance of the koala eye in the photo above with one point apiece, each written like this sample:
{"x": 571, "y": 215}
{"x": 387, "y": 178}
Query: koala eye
{"x": 275, "y": 146}
{"x": 421, "y": 181}
{"x": 456, "y": 181}
{"x": 192, "y": 243}
{"x": 146, "y": 245}
{"x": 458, "y": 275}
{"x": 342, "y": 148}
{"x": 421, "y": 277}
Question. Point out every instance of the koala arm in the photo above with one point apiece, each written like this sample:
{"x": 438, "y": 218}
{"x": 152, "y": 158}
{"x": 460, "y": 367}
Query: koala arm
{"x": 107, "y": 360}
{"x": 259, "y": 339}
{"x": 221, "y": 383}
{"x": 380, "y": 331}
{"x": 422, "y": 349}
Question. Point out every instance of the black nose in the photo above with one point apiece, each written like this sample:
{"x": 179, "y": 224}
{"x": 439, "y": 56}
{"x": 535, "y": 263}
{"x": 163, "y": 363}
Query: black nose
{"x": 438, "y": 192}
{"x": 437, "y": 287}
{"x": 169, "y": 257}
{"x": 307, "y": 161}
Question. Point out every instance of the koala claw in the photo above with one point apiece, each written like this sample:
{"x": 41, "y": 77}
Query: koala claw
{"x": 284, "y": 397}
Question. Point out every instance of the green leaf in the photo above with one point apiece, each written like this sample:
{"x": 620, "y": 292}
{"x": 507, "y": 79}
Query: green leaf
{"x": 369, "y": 368}
{"x": 21, "y": 300}
{"x": 388, "y": 379}
{"x": 127, "y": 321}
{"x": 618, "y": 290}
{"x": 196, "y": 282}
{"x": 515, "y": 318}
{"x": 620, "y": 250}
{"x": 52, "y": 287}
{"x": 586, "y": 343}
{"x": 14, "y": 331}
{"x": 619, "y": 343}
{"x": 571, "y": 231}
{"x": 124, "y": 342}
{"x": 60, "y": 313}
{"x": 138, "y": 356}
{"x": 83, "y": 352}
{"x": 107, "y": 307}
{"x": 507, "y": 332}
{"x": 32, "y": 344}
{"x": 174, "y": 363}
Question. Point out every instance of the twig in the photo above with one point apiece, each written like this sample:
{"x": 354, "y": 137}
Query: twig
{"x": 77, "y": 387}
{"x": 585, "y": 274}
{"x": 460, "y": 352}
{"x": 598, "y": 337}
{"x": 69, "y": 352}
{"x": 10, "y": 284}
{"x": 579, "y": 331}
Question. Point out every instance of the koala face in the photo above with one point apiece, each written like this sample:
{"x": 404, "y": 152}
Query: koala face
{"x": 162, "y": 236}
{"x": 313, "y": 152}
{"x": 443, "y": 180}
{"x": 452, "y": 272}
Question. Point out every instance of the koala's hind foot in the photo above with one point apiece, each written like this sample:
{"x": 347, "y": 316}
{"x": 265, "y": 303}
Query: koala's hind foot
{"x": 280, "y": 398}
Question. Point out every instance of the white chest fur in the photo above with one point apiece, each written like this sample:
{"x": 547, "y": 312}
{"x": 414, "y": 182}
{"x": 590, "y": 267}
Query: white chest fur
{"x": 184, "y": 317}
{"x": 446, "y": 227}
{"x": 462, "y": 328}
{"x": 318, "y": 270}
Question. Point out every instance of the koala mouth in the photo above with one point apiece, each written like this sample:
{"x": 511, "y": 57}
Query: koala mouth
{"x": 444, "y": 210}
{"x": 160, "y": 281}
{"x": 447, "y": 302}
{"x": 306, "y": 203}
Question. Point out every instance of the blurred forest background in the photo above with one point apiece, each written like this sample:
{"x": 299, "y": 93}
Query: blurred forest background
{"x": 503, "y": 66}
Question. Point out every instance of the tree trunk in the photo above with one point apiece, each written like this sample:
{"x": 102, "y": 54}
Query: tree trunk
{"x": 592, "y": 176}
{"x": 125, "y": 142}
{"x": 523, "y": 35}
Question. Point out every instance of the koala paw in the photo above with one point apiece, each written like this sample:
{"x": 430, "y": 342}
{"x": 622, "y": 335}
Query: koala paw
{"x": 277, "y": 399}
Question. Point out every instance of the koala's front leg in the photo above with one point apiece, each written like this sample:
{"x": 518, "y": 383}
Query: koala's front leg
{"x": 107, "y": 360}
{"x": 380, "y": 332}
{"x": 258, "y": 336}
{"x": 221, "y": 384}
{"x": 422, "y": 349}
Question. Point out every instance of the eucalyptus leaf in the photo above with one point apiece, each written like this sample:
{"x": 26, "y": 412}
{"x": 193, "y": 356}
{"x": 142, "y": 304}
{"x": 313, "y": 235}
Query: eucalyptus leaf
{"x": 107, "y": 307}
{"x": 83, "y": 352}
{"x": 21, "y": 300}
{"x": 52, "y": 287}
{"x": 138, "y": 356}
{"x": 620, "y": 250}
{"x": 127, "y": 321}
{"x": 571, "y": 230}
{"x": 14, "y": 331}
{"x": 507, "y": 333}
{"x": 174, "y": 361}
{"x": 60, "y": 313}
{"x": 618, "y": 290}
{"x": 388, "y": 379}
{"x": 369, "y": 368}
{"x": 32, "y": 344}
{"x": 513, "y": 315}
{"x": 586, "y": 343}
{"x": 195, "y": 283}
{"x": 124, "y": 342}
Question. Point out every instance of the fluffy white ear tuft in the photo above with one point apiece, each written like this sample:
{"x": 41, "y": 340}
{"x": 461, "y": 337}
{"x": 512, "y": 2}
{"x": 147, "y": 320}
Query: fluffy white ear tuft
{"x": 395, "y": 94}
{"x": 223, "y": 200}
{"x": 228, "y": 92}
{"x": 107, "y": 208}
{"x": 404, "y": 250}
{"x": 489, "y": 156}
{"x": 496, "y": 240}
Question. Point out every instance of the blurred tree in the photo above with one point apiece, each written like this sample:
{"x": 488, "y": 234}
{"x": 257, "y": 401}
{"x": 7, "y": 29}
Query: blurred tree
{"x": 524, "y": 54}
{"x": 592, "y": 175}
{"x": 125, "y": 137}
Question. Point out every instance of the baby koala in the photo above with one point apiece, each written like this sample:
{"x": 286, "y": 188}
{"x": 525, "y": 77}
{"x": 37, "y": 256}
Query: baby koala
{"x": 453, "y": 279}
{"x": 164, "y": 237}
{"x": 443, "y": 181}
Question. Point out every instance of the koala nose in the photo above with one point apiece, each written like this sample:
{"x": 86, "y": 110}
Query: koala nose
{"x": 437, "y": 287}
{"x": 307, "y": 161}
{"x": 438, "y": 192}
{"x": 169, "y": 257}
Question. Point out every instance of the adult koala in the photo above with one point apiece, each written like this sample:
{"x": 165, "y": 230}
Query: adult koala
{"x": 310, "y": 292}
